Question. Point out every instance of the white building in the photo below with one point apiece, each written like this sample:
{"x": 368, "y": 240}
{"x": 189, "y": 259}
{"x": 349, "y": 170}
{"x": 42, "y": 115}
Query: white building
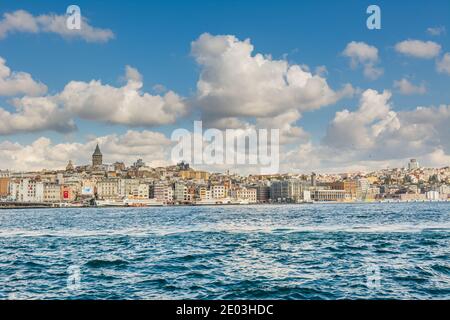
{"x": 163, "y": 193}
{"x": 26, "y": 190}
{"x": 139, "y": 191}
{"x": 180, "y": 192}
{"x": 52, "y": 192}
{"x": 108, "y": 189}
{"x": 126, "y": 187}
{"x": 218, "y": 192}
{"x": 247, "y": 194}
{"x": 433, "y": 195}
{"x": 413, "y": 164}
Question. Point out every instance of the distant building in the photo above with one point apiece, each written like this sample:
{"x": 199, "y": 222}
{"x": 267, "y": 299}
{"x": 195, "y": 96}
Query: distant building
{"x": 218, "y": 191}
{"x": 27, "y": 190}
{"x": 194, "y": 175}
{"x": 127, "y": 187}
{"x": 4, "y": 187}
{"x": 70, "y": 167}
{"x": 69, "y": 192}
{"x": 163, "y": 193}
{"x": 119, "y": 166}
{"x": 139, "y": 164}
{"x": 329, "y": 195}
{"x": 97, "y": 157}
{"x": 52, "y": 192}
{"x": 349, "y": 186}
{"x": 204, "y": 193}
{"x": 108, "y": 189}
{"x": 262, "y": 193}
{"x": 248, "y": 194}
{"x": 287, "y": 191}
{"x": 413, "y": 164}
{"x": 433, "y": 195}
{"x": 180, "y": 192}
{"x": 313, "y": 179}
{"x": 139, "y": 191}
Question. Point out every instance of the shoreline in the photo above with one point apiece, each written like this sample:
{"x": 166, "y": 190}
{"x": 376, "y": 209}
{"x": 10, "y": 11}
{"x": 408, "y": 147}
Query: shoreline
{"x": 218, "y": 205}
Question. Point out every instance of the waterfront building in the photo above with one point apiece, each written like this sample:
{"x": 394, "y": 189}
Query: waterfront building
{"x": 52, "y": 192}
{"x": 107, "y": 189}
{"x": 363, "y": 186}
{"x": 68, "y": 193}
{"x": 139, "y": 191}
{"x": 329, "y": 195}
{"x": 262, "y": 193}
{"x": 349, "y": 186}
{"x": 287, "y": 190}
{"x": 247, "y": 194}
{"x": 410, "y": 197}
{"x": 204, "y": 193}
{"x": 180, "y": 192}
{"x": 126, "y": 187}
{"x": 27, "y": 190}
{"x": 163, "y": 193}
{"x": 4, "y": 186}
{"x": 218, "y": 191}
{"x": 433, "y": 195}
{"x": 444, "y": 190}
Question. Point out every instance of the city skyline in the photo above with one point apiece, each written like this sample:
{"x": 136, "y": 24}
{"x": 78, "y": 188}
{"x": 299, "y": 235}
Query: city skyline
{"x": 96, "y": 160}
{"x": 102, "y": 184}
{"x": 373, "y": 99}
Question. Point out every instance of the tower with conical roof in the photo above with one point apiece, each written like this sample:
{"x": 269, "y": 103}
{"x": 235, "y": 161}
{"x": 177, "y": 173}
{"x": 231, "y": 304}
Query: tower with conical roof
{"x": 97, "y": 157}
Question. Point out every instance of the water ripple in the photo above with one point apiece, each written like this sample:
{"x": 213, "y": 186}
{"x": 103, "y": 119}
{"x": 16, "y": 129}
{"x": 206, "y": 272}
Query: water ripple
{"x": 236, "y": 252}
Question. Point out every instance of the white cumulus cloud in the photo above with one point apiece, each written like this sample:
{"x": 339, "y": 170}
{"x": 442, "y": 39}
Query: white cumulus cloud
{"x": 404, "y": 86}
{"x": 418, "y": 48}
{"x": 237, "y": 85}
{"x": 152, "y": 147}
{"x": 18, "y": 83}
{"x": 126, "y": 105}
{"x": 361, "y": 53}
{"x": 34, "y": 114}
{"x": 24, "y": 22}
{"x": 436, "y": 31}
{"x": 443, "y": 65}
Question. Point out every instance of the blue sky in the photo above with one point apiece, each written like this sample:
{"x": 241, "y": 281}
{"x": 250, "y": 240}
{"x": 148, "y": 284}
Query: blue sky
{"x": 155, "y": 38}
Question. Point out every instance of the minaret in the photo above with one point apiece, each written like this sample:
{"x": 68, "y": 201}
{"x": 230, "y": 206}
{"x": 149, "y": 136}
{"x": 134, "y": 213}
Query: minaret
{"x": 97, "y": 157}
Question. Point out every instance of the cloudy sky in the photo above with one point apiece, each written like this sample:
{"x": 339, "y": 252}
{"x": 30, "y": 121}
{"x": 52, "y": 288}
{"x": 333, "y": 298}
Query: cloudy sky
{"x": 344, "y": 97}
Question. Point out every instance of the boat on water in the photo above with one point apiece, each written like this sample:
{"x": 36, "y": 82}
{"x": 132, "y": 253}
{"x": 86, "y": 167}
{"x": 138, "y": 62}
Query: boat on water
{"x": 142, "y": 203}
{"x": 109, "y": 203}
{"x": 225, "y": 201}
{"x": 129, "y": 203}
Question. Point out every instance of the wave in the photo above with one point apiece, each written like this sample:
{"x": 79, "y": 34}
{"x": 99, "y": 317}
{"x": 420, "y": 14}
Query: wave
{"x": 104, "y": 263}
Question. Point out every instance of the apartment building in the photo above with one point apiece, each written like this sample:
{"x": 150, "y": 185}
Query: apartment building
{"x": 218, "y": 192}
{"x": 52, "y": 192}
{"x": 108, "y": 189}
{"x": 26, "y": 190}
{"x": 248, "y": 194}
{"x": 163, "y": 193}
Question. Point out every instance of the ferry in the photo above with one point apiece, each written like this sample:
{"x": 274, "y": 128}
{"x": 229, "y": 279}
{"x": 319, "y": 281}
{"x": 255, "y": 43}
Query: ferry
{"x": 109, "y": 203}
{"x": 142, "y": 203}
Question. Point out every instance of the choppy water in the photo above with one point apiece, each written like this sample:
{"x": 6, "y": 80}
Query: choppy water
{"x": 354, "y": 251}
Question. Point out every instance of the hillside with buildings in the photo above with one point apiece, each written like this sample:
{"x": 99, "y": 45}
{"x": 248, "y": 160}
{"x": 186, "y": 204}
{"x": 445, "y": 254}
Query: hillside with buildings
{"x": 100, "y": 184}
